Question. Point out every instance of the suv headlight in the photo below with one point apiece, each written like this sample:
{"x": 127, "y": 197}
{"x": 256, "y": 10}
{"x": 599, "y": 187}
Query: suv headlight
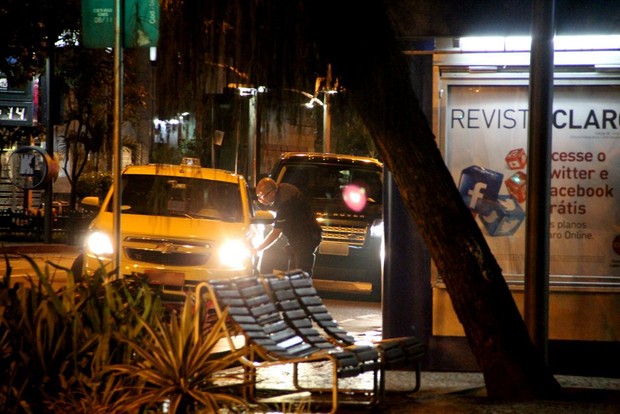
{"x": 376, "y": 230}
{"x": 99, "y": 244}
{"x": 234, "y": 254}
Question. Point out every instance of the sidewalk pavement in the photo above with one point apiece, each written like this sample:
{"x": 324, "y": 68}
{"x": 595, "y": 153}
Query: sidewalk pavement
{"x": 456, "y": 393}
{"x": 463, "y": 393}
{"x": 445, "y": 392}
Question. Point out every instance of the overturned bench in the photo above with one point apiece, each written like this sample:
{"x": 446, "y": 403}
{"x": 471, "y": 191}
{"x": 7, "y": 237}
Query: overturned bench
{"x": 284, "y": 322}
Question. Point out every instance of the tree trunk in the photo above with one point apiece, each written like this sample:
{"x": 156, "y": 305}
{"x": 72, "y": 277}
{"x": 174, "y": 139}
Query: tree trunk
{"x": 363, "y": 49}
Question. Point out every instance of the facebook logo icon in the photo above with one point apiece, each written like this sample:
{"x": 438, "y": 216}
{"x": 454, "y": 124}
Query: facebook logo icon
{"x": 477, "y": 185}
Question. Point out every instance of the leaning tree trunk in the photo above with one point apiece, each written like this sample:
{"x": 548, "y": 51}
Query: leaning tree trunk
{"x": 364, "y": 51}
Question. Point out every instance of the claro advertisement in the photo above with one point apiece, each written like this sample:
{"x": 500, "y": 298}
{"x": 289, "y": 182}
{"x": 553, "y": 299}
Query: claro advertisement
{"x": 486, "y": 152}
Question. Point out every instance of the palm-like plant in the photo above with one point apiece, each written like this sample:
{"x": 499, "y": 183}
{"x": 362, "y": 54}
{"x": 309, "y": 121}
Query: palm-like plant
{"x": 54, "y": 344}
{"x": 101, "y": 345}
{"x": 35, "y": 340}
{"x": 177, "y": 364}
{"x": 98, "y": 395}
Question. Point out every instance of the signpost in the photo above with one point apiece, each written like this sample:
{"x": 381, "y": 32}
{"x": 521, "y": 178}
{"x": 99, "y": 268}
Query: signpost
{"x": 30, "y": 168}
{"x": 117, "y": 24}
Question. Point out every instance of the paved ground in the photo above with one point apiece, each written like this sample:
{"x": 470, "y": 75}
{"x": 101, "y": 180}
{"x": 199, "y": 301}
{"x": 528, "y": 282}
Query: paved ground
{"x": 464, "y": 393}
{"x": 450, "y": 392}
{"x": 457, "y": 393}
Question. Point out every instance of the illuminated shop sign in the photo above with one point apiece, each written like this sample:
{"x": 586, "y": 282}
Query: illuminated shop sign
{"x": 16, "y": 113}
{"x": 17, "y": 103}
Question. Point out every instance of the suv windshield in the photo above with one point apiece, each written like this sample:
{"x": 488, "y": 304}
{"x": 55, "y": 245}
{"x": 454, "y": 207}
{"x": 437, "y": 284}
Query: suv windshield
{"x": 157, "y": 195}
{"x": 329, "y": 181}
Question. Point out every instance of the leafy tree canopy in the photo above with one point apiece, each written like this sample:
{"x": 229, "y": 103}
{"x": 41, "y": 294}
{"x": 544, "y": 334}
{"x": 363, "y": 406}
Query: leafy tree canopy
{"x": 25, "y": 30}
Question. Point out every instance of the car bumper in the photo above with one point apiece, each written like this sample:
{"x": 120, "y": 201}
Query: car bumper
{"x": 172, "y": 281}
{"x": 357, "y": 272}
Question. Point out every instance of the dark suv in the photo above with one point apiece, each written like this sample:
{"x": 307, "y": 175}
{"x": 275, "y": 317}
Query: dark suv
{"x": 346, "y": 195}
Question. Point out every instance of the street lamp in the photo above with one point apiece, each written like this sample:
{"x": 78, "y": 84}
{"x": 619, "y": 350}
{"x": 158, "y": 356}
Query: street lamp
{"x": 327, "y": 87}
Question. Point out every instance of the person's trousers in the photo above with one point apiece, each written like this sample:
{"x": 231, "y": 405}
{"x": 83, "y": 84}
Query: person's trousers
{"x": 302, "y": 257}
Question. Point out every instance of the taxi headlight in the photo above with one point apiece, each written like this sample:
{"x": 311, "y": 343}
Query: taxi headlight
{"x": 234, "y": 253}
{"x": 99, "y": 243}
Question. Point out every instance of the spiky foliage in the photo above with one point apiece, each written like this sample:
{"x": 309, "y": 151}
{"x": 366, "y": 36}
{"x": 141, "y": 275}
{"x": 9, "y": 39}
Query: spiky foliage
{"x": 53, "y": 341}
{"x": 175, "y": 364}
{"x": 101, "y": 345}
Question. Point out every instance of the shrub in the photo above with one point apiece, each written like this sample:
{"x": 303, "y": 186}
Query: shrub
{"x": 94, "y": 184}
{"x": 100, "y": 345}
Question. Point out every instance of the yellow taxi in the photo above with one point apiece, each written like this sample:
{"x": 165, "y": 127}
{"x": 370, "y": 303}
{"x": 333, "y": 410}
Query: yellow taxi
{"x": 179, "y": 224}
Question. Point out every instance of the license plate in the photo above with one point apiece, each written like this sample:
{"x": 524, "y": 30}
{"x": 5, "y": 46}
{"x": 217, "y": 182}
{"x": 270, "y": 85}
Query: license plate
{"x": 162, "y": 277}
{"x": 335, "y": 249}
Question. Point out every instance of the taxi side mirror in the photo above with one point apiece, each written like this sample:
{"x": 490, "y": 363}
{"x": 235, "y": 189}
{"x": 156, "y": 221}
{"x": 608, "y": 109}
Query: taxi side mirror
{"x": 90, "y": 202}
{"x": 263, "y": 217}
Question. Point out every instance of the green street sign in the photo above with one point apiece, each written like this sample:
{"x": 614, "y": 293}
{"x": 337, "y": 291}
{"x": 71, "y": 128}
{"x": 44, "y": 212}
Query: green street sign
{"x": 140, "y": 29}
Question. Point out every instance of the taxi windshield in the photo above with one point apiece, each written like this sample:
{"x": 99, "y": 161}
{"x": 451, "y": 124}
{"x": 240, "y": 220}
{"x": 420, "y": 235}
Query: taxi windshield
{"x": 171, "y": 196}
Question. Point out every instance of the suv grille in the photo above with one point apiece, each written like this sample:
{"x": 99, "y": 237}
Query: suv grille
{"x": 355, "y": 236}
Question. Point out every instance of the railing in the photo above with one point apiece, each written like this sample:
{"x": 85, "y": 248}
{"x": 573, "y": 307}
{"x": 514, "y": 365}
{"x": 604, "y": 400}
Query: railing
{"x": 27, "y": 226}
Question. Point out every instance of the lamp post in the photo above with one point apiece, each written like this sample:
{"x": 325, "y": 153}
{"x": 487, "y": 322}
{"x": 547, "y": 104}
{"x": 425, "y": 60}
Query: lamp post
{"x": 118, "y": 94}
{"x": 327, "y": 118}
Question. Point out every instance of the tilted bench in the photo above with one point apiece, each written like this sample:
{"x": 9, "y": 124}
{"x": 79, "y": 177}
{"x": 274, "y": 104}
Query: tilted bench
{"x": 300, "y": 303}
{"x": 271, "y": 339}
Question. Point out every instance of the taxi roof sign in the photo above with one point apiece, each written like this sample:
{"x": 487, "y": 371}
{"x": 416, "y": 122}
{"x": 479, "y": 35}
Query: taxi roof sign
{"x": 190, "y": 161}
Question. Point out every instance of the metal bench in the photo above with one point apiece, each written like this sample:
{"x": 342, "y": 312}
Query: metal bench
{"x": 299, "y": 301}
{"x": 274, "y": 337}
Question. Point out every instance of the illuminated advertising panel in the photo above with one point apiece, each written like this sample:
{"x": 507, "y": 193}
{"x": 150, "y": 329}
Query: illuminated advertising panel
{"x": 486, "y": 152}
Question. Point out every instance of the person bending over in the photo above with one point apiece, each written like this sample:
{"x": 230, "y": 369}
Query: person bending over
{"x": 294, "y": 218}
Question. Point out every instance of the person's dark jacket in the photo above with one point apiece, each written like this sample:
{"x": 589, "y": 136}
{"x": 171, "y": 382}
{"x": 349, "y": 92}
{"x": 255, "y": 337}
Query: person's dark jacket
{"x": 295, "y": 217}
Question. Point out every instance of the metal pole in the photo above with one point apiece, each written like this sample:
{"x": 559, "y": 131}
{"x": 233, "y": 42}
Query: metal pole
{"x": 252, "y": 127}
{"x": 118, "y": 98}
{"x": 327, "y": 120}
{"x": 213, "y": 134}
{"x": 539, "y": 174}
{"x": 257, "y": 138}
{"x": 406, "y": 302}
{"x": 49, "y": 143}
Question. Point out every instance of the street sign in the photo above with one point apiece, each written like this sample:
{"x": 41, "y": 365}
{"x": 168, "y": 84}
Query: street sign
{"x": 141, "y": 28}
{"x": 30, "y": 168}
